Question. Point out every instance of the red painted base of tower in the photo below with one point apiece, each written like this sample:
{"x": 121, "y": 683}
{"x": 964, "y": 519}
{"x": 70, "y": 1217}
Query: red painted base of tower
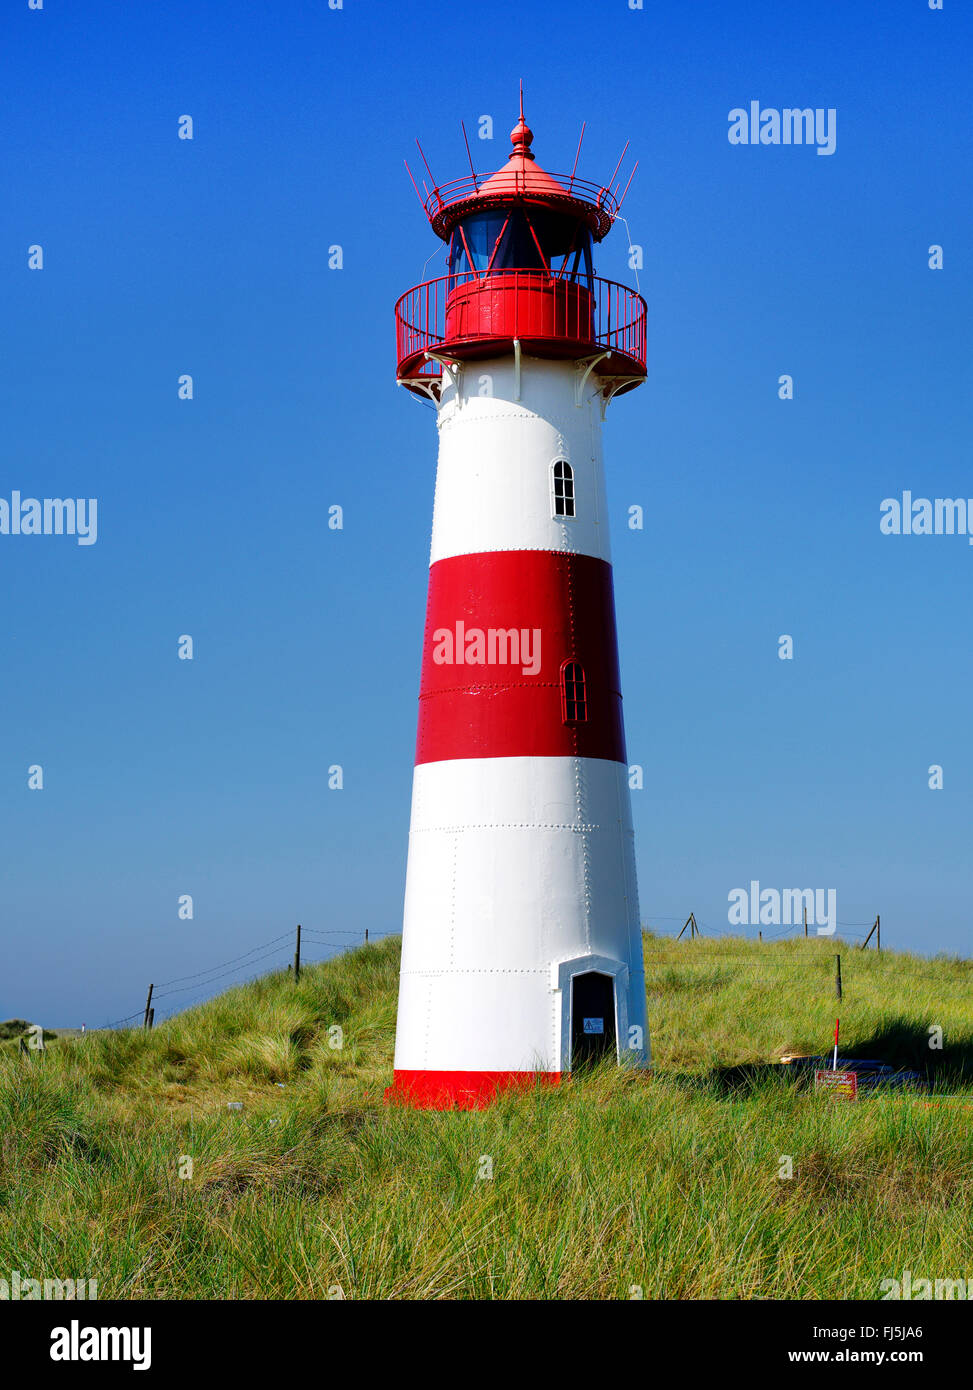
{"x": 461, "y": 1090}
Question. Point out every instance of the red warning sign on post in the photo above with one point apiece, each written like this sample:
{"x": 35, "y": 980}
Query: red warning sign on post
{"x": 841, "y": 1084}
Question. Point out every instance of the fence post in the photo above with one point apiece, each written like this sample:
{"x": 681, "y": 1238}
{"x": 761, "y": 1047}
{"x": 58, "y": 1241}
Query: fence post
{"x": 805, "y": 921}
{"x": 685, "y": 924}
{"x": 297, "y": 955}
{"x": 837, "y": 977}
{"x": 878, "y": 932}
{"x": 875, "y": 927}
{"x": 366, "y": 936}
{"x": 148, "y": 1006}
{"x": 151, "y": 1018}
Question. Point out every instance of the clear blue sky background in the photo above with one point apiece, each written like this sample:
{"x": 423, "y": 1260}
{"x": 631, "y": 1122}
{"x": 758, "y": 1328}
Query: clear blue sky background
{"x": 165, "y": 256}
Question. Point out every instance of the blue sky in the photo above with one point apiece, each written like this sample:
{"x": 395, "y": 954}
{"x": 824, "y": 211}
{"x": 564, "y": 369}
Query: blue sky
{"x": 165, "y": 256}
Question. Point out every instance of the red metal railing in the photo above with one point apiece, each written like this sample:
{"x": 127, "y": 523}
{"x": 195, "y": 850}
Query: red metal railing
{"x": 465, "y": 314}
{"x": 523, "y": 183}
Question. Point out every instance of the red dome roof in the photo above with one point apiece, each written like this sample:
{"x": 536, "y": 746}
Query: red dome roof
{"x": 522, "y": 174}
{"x": 521, "y": 179}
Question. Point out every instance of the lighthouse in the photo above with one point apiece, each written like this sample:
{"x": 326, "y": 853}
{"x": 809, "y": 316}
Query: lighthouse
{"x": 522, "y": 946}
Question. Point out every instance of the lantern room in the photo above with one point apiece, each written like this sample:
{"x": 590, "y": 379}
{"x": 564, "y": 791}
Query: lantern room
{"x": 513, "y": 238}
{"x": 521, "y": 277}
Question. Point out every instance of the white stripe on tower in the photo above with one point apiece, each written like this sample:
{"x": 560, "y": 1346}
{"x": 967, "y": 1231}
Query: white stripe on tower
{"x": 493, "y": 480}
{"x": 515, "y": 865}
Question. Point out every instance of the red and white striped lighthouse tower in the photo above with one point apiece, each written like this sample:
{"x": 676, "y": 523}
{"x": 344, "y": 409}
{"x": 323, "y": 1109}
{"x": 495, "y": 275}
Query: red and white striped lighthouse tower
{"x": 522, "y": 948}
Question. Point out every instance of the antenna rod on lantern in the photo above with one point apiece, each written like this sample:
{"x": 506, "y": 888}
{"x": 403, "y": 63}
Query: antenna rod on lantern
{"x": 430, "y": 171}
{"x": 617, "y": 166}
{"x": 578, "y": 153}
{"x": 469, "y": 156}
{"x": 414, "y": 184}
{"x": 627, "y": 187}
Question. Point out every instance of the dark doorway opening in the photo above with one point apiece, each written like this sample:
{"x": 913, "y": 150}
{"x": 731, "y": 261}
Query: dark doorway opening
{"x": 592, "y": 1019}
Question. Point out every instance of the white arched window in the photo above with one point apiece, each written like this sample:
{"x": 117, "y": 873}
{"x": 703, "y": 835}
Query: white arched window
{"x": 562, "y": 488}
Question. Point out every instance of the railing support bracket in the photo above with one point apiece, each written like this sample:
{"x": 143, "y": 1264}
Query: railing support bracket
{"x": 450, "y": 369}
{"x": 589, "y": 365}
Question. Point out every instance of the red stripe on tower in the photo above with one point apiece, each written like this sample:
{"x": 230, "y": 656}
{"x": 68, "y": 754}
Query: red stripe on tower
{"x": 520, "y": 659}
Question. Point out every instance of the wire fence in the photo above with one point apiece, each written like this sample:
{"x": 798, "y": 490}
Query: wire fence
{"x": 277, "y": 948}
{"x": 280, "y": 950}
{"x": 794, "y": 929}
{"x": 799, "y": 931}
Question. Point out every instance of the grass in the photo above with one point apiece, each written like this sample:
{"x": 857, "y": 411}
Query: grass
{"x": 18, "y": 1028}
{"x": 608, "y": 1187}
